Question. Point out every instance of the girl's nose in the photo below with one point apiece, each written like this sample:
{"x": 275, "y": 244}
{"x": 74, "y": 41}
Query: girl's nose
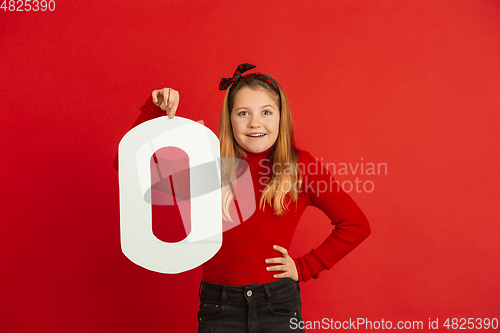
{"x": 254, "y": 122}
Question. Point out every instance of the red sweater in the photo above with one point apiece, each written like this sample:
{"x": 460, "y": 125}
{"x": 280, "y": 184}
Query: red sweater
{"x": 240, "y": 261}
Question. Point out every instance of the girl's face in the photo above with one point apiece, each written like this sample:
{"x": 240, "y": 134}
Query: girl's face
{"x": 255, "y": 119}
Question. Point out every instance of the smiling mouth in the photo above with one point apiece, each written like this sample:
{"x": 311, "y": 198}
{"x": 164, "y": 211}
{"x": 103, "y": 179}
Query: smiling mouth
{"x": 256, "y": 135}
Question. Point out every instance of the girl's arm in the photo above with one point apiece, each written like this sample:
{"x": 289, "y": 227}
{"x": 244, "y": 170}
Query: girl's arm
{"x": 351, "y": 225}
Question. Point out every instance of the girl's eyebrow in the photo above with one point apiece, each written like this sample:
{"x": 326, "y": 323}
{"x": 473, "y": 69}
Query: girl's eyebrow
{"x": 244, "y": 107}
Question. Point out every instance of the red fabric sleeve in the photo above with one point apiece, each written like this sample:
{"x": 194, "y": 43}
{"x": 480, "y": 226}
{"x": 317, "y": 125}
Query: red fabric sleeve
{"x": 149, "y": 111}
{"x": 351, "y": 225}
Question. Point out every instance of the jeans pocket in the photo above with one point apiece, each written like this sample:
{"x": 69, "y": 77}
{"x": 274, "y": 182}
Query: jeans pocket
{"x": 210, "y": 310}
{"x": 286, "y": 309}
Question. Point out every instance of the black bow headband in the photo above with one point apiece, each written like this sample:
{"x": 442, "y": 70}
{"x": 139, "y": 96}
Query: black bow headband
{"x": 233, "y": 81}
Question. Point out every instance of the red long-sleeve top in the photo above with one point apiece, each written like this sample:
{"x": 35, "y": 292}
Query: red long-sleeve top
{"x": 240, "y": 260}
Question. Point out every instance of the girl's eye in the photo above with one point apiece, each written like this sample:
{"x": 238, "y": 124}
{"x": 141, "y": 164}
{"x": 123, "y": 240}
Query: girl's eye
{"x": 267, "y": 112}
{"x": 243, "y": 113}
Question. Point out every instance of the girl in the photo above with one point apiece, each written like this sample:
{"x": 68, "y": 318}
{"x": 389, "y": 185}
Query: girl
{"x": 252, "y": 284}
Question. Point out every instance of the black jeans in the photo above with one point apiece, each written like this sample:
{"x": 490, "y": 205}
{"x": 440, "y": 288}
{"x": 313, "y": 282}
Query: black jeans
{"x": 270, "y": 307}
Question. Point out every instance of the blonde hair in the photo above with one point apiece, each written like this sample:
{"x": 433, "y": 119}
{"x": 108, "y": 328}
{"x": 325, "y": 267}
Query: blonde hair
{"x": 283, "y": 155}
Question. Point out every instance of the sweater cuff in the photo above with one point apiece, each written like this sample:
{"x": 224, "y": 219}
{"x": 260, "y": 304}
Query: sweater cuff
{"x": 152, "y": 109}
{"x": 310, "y": 266}
{"x": 298, "y": 266}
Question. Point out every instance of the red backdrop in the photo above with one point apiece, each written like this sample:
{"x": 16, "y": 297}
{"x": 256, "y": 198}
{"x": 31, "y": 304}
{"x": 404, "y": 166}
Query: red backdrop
{"x": 413, "y": 84}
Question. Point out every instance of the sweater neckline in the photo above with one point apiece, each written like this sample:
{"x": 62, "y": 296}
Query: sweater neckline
{"x": 264, "y": 154}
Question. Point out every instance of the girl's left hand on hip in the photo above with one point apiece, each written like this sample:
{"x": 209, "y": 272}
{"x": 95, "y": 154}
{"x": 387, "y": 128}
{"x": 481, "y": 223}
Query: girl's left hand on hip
{"x": 287, "y": 265}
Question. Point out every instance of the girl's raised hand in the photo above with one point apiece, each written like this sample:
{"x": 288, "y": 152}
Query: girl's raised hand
{"x": 167, "y": 99}
{"x": 287, "y": 265}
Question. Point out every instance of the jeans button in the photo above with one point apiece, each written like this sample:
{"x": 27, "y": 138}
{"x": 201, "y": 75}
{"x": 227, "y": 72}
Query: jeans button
{"x": 249, "y": 293}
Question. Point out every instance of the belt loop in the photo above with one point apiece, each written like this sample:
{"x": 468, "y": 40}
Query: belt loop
{"x": 268, "y": 292}
{"x": 224, "y": 295}
{"x": 199, "y": 289}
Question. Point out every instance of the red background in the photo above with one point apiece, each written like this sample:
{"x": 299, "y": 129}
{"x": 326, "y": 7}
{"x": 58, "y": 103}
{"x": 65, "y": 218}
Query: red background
{"x": 414, "y": 84}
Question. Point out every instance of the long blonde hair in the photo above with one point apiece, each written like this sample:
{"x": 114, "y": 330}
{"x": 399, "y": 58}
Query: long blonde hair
{"x": 283, "y": 155}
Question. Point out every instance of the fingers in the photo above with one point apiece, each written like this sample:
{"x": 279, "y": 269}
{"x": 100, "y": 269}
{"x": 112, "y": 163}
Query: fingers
{"x": 285, "y": 270}
{"x": 167, "y": 99}
{"x": 286, "y": 265}
{"x": 281, "y": 276}
{"x": 173, "y": 102}
{"x": 280, "y": 249}
{"x": 281, "y": 268}
{"x": 154, "y": 95}
{"x": 279, "y": 260}
{"x": 276, "y": 268}
{"x": 166, "y": 94}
